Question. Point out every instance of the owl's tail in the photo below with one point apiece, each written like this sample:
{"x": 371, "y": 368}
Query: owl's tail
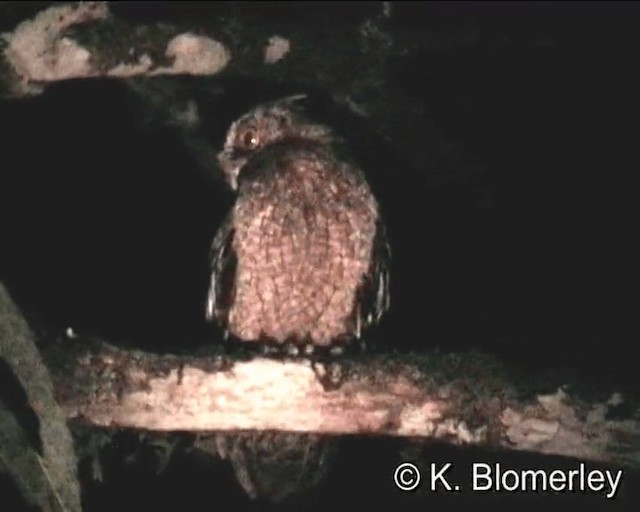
{"x": 278, "y": 466}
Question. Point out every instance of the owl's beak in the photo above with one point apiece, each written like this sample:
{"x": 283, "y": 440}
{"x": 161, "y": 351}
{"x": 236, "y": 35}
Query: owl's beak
{"x": 230, "y": 168}
{"x": 233, "y": 179}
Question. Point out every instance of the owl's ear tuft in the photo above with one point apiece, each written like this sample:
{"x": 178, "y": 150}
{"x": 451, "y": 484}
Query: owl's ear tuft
{"x": 291, "y": 99}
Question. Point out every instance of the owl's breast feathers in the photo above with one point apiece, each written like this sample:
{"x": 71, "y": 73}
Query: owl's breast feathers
{"x": 303, "y": 255}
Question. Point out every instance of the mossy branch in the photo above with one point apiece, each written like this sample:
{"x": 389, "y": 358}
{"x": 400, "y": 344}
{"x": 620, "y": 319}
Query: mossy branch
{"x": 41, "y": 463}
{"x": 464, "y": 399}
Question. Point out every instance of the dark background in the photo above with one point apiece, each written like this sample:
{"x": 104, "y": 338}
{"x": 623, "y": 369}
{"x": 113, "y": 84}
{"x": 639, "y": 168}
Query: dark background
{"x": 108, "y": 208}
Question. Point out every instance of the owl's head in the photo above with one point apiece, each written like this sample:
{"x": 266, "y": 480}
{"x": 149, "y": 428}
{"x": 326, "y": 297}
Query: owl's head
{"x": 265, "y": 125}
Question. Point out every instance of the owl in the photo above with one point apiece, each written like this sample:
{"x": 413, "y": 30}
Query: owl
{"x": 302, "y": 258}
{"x": 302, "y": 261}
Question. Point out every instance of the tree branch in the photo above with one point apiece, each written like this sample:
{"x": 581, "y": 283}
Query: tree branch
{"x": 38, "y": 455}
{"x": 462, "y": 399}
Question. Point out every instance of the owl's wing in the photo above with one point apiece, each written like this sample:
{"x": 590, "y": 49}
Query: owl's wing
{"x": 223, "y": 274}
{"x": 374, "y": 293}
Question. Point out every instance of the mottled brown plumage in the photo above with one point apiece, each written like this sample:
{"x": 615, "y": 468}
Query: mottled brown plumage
{"x": 277, "y": 465}
{"x": 303, "y": 256}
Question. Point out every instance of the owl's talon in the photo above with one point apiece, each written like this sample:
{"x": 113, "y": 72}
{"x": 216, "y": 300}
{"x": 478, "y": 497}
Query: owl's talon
{"x": 292, "y": 350}
{"x": 336, "y": 350}
{"x": 270, "y": 349}
{"x": 330, "y": 375}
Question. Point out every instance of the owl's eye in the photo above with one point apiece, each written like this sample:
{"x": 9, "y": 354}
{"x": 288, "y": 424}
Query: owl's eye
{"x": 249, "y": 139}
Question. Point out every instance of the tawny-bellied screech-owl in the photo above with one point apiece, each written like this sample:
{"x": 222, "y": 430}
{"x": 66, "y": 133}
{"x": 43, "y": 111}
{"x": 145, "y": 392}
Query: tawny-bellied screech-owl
{"x": 302, "y": 259}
